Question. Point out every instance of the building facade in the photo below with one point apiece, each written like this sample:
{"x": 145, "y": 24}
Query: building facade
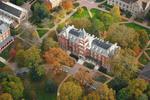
{"x": 53, "y": 3}
{"x": 87, "y": 47}
{"x": 12, "y": 14}
{"x": 5, "y": 38}
{"x": 136, "y": 7}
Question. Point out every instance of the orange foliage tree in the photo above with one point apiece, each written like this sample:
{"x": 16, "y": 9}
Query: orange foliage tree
{"x": 56, "y": 57}
{"x": 67, "y": 4}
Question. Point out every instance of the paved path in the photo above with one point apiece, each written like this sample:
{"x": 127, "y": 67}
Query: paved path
{"x": 4, "y": 61}
{"x": 62, "y": 21}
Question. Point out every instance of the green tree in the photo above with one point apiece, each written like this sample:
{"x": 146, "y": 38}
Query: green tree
{"x": 49, "y": 43}
{"x": 143, "y": 38}
{"x": 115, "y": 12}
{"x": 70, "y": 91}
{"x": 107, "y": 19}
{"x": 20, "y": 58}
{"x": 39, "y": 12}
{"x": 124, "y": 36}
{"x": 124, "y": 64}
{"x": 92, "y": 96}
{"x": 123, "y": 94}
{"x": 106, "y": 93}
{"x": 11, "y": 84}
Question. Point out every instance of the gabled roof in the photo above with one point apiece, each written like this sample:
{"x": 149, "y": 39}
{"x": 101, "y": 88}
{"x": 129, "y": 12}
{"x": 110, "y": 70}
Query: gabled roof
{"x": 101, "y": 44}
{"x": 10, "y": 9}
{"x": 129, "y": 1}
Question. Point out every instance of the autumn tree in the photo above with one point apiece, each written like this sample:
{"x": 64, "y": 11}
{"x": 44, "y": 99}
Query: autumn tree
{"x": 115, "y": 12}
{"x": 84, "y": 77}
{"x": 106, "y": 93}
{"x": 56, "y": 58}
{"x": 92, "y": 96}
{"x": 70, "y": 91}
{"x": 12, "y": 85}
{"x": 6, "y": 96}
{"x": 67, "y": 4}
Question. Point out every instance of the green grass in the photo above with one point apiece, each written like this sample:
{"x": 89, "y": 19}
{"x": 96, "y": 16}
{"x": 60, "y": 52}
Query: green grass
{"x": 143, "y": 59}
{"x": 137, "y": 27}
{"x": 148, "y": 52}
{"x": 41, "y": 32}
{"x": 95, "y": 12}
{"x": 81, "y": 13}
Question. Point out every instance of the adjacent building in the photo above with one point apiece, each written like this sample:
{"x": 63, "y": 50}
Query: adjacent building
{"x": 5, "y": 38}
{"x": 53, "y": 3}
{"x": 12, "y": 14}
{"x": 87, "y": 47}
{"x": 136, "y": 7}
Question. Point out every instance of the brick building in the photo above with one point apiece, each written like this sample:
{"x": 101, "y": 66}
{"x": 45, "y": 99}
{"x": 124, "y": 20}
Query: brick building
{"x": 87, "y": 47}
{"x": 12, "y": 14}
{"x": 136, "y": 7}
{"x": 5, "y": 38}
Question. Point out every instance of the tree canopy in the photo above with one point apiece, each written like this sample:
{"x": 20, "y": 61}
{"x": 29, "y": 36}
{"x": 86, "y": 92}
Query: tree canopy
{"x": 70, "y": 91}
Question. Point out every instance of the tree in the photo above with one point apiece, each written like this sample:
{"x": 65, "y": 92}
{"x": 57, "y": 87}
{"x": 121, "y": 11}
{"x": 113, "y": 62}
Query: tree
{"x": 84, "y": 77}
{"x": 92, "y": 96}
{"x": 37, "y": 72}
{"x": 56, "y": 57}
{"x": 67, "y": 4}
{"x": 29, "y": 58}
{"x": 124, "y": 36}
{"x": 98, "y": 27}
{"x": 6, "y": 96}
{"x": 124, "y": 64}
{"x": 115, "y": 12}
{"x": 70, "y": 91}
{"x": 135, "y": 90}
{"x": 106, "y": 19}
{"x": 49, "y": 43}
{"x": 137, "y": 87}
{"x": 143, "y": 38}
{"x": 11, "y": 84}
{"x": 39, "y": 12}
{"x": 106, "y": 93}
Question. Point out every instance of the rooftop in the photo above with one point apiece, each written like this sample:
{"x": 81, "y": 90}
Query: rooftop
{"x": 10, "y": 9}
{"x": 3, "y": 27}
{"x": 101, "y": 44}
{"x": 129, "y": 1}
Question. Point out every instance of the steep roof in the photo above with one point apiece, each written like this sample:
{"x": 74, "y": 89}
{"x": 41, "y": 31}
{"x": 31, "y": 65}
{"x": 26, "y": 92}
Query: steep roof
{"x": 129, "y": 1}
{"x": 10, "y": 9}
{"x": 101, "y": 44}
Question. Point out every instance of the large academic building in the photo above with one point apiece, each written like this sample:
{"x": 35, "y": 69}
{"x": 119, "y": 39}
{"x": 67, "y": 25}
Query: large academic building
{"x": 136, "y": 7}
{"x": 86, "y": 46}
{"x": 12, "y": 14}
{"x": 5, "y": 38}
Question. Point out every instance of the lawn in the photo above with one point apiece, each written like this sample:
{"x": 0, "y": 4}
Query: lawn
{"x": 81, "y": 13}
{"x": 148, "y": 52}
{"x": 41, "y": 32}
{"x": 138, "y": 27}
{"x": 95, "y": 12}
